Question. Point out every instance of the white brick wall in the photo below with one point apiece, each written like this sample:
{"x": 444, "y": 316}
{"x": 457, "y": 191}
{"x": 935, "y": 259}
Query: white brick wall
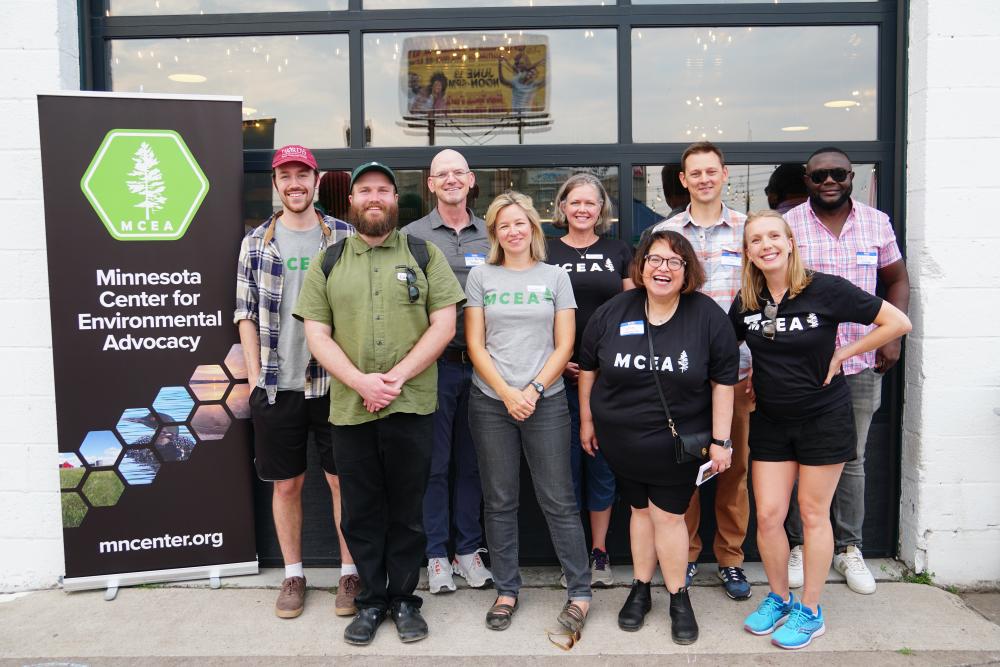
{"x": 950, "y": 506}
{"x": 38, "y": 53}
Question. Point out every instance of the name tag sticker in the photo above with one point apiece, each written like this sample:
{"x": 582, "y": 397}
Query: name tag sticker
{"x": 401, "y": 276}
{"x": 633, "y": 328}
{"x": 536, "y": 288}
{"x": 750, "y": 319}
{"x": 474, "y": 259}
{"x": 867, "y": 258}
{"x": 597, "y": 255}
{"x": 730, "y": 258}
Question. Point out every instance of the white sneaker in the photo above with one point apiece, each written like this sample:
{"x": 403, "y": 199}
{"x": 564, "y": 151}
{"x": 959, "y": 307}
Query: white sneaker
{"x": 795, "y": 576}
{"x": 471, "y": 568}
{"x": 600, "y": 569}
{"x": 851, "y": 564}
{"x": 439, "y": 576}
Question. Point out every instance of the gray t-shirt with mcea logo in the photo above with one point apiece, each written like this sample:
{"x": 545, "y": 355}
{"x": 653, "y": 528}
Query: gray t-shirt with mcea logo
{"x": 519, "y": 308}
{"x": 296, "y": 249}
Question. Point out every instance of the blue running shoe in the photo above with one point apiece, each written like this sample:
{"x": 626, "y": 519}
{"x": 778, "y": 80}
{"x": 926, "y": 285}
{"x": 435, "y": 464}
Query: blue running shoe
{"x": 735, "y": 582}
{"x": 691, "y": 571}
{"x": 801, "y": 627}
{"x": 771, "y": 613}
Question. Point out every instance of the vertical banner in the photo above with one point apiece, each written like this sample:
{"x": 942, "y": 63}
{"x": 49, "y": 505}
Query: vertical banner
{"x": 143, "y": 224}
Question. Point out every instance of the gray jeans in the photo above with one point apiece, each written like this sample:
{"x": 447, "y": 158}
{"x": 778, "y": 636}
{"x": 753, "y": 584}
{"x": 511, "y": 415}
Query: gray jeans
{"x": 848, "y": 508}
{"x": 544, "y": 437}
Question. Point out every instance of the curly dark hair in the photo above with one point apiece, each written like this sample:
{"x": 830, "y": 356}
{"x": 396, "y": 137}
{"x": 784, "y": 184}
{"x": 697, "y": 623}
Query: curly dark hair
{"x": 694, "y": 273}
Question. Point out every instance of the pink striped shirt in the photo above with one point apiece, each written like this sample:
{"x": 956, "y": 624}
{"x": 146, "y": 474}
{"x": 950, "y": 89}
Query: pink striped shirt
{"x": 867, "y": 243}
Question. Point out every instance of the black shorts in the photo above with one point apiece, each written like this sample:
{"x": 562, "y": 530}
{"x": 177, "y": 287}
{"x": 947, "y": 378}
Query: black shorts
{"x": 673, "y": 498}
{"x": 825, "y": 439}
{"x": 281, "y": 431}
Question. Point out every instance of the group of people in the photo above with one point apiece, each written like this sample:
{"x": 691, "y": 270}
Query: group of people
{"x": 456, "y": 346}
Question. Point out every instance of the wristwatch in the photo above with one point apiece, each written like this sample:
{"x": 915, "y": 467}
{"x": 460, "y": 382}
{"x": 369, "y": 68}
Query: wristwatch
{"x": 539, "y": 387}
{"x": 725, "y": 444}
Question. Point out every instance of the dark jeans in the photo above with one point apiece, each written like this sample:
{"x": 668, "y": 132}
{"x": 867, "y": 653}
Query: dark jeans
{"x": 590, "y": 471}
{"x": 847, "y": 511}
{"x": 453, "y": 442}
{"x": 383, "y": 466}
{"x": 544, "y": 437}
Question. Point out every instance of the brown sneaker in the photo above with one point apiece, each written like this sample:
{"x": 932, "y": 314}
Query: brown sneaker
{"x": 347, "y": 589}
{"x": 292, "y": 598}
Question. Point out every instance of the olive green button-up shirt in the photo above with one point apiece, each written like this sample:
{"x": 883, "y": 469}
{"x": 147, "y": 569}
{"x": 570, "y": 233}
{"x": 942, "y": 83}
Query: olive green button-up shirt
{"x": 367, "y": 302}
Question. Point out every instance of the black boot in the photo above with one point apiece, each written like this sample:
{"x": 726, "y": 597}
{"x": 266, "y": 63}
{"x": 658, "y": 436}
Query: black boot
{"x": 683, "y": 625}
{"x": 410, "y": 625}
{"x": 637, "y": 605}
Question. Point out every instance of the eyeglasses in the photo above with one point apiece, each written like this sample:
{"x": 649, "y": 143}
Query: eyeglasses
{"x": 411, "y": 283}
{"x": 839, "y": 175}
{"x": 768, "y": 329}
{"x": 673, "y": 263}
{"x": 457, "y": 173}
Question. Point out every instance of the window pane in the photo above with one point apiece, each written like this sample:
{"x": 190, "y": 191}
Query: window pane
{"x": 450, "y": 4}
{"x": 294, "y": 87}
{"x": 491, "y": 87}
{"x": 658, "y": 192}
{"x": 734, "y": 2}
{"x": 150, "y": 7}
{"x": 799, "y": 83}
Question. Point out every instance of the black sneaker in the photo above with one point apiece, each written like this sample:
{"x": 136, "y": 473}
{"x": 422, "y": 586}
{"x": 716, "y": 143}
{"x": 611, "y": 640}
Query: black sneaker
{"x": 691, "y": 571}
{"x": 735, "y": 582}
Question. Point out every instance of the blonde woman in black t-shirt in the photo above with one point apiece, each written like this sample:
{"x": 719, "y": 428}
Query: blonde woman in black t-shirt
{"x": 803, "y": 427}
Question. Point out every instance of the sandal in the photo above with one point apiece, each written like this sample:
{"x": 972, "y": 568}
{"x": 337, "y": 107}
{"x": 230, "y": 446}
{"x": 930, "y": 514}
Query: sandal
{"x": 572, "y": 617}
{"x": 500, "y": 615}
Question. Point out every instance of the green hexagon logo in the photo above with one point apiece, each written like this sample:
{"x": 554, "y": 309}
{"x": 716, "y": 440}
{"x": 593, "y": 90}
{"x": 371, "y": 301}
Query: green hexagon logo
{"x": 144, "y": 185}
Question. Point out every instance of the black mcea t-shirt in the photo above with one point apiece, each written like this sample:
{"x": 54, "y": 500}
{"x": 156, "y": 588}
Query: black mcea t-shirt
{"x": 788, "y": 372}
{"x": 596, "y": 274}
{"x": 695, "y": 347}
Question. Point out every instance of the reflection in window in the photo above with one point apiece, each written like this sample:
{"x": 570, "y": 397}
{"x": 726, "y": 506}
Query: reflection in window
{"x": 799, "y": 83}
{"x": 491, "y": 87}
{"x": 151, "y": 7}
{"x": 294, "y": 87}
{"x": 450, "y": 4}
{"x": 751, "y": 187}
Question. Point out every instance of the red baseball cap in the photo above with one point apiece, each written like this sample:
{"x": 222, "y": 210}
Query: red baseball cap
{"x": 294, "y": 153}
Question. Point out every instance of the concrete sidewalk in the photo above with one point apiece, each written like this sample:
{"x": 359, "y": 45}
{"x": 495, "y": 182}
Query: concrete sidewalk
{"x": 902, "y": 624}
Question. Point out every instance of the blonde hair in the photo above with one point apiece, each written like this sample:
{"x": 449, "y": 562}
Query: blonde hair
{"x": 753, "y": 278}
{"x": 523, "y": 202}
{"x": 573, "y": 182}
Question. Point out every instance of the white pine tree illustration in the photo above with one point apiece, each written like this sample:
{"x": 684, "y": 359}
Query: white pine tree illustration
{"x": 812, "y": 321}
{"x": 150, "y": 184}
{"x": 608, "y": 265}
{"x": 682, "y": 361}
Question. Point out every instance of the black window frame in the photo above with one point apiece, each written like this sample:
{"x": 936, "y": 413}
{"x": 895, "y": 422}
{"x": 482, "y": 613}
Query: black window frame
{"x": 886, "y": 151}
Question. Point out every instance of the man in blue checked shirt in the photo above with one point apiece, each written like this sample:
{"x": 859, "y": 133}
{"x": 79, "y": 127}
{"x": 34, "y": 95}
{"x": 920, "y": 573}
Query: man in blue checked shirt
{"x": 291, "y": 396}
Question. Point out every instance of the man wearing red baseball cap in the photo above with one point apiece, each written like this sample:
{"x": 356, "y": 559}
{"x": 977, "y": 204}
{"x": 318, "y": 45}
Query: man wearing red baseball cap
{"x": 291, "y": 392}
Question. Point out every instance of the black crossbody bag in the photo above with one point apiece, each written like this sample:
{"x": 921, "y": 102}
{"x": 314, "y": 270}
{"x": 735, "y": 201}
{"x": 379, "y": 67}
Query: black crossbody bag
{"x": 687, "y": 448}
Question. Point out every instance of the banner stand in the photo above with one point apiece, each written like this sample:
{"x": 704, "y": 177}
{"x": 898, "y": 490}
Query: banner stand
{"x": 112, "y": 582}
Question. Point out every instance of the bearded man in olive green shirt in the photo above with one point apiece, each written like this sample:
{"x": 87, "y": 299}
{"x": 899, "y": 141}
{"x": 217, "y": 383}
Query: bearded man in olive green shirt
{"x": 378, "y": 323}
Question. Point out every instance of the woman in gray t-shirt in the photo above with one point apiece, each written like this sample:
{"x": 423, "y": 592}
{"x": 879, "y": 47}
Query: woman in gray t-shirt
{"x": 519, "y": 327}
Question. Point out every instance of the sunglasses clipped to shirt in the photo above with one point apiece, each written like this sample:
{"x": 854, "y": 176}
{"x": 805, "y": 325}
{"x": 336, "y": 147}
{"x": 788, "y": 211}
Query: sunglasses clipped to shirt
{"x": 769, "y": 329}
{"x": 412, "y": 290}
{"x": 839, "y": 175}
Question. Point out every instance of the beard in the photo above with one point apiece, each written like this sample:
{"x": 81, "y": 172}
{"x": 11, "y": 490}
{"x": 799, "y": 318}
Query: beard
{"x": 819, "y": 202}
{"x": 379, "y": 224}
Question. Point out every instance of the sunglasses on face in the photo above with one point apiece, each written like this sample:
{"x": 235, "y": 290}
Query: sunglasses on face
{"x": 411, "y": 283}
{"x": 839, "y": 175}
{"x": 768, "y": 329}
{"x": 674, "y": 263}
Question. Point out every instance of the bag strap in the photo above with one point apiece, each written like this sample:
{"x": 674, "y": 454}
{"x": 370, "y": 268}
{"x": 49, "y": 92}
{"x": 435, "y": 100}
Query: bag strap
{"x": 656, "y": 379}
{"x": 332, "y": 256}
{"x": 417, "y": 248}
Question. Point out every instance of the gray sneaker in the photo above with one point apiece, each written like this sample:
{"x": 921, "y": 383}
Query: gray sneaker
{"x": 600, "y": 569}
{"x": 439, "y": 576}
{"x": 471, "y": 568}
{"x": 292, "y": 598}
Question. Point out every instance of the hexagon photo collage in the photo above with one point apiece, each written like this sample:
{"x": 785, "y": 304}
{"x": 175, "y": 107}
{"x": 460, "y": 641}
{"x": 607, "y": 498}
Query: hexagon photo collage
{"x": 180, "y": 420}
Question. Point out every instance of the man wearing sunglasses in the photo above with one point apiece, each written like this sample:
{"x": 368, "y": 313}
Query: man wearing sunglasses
{"x": 716, "y": 233}
{"x": 461, "y": 236}
{"x": 378, "y": 322}
{"x": 839, "y": 235}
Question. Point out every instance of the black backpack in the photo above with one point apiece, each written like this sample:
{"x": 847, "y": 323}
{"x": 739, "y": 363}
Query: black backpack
{"x": 418, "y": 248}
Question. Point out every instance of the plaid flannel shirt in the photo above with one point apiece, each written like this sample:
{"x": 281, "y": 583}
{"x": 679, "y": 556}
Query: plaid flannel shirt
{"x": 722, "y": 281}
{"x": 866, "y": 231}
{"x": 259, "y": 280}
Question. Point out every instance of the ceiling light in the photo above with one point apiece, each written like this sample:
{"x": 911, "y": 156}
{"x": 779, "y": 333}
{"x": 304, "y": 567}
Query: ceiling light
{"x": 841, "y": 104}
{"x": 795, "y": 128}
{"x": 187, "y": 78}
